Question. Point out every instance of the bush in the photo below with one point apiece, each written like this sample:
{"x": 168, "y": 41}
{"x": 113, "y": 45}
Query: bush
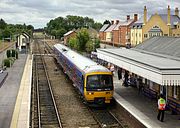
{"x": 12, "y": 59}
{"x": 7, "y": 62}
{"x": 13, "y": 53}
{"x": 8, "y": 53}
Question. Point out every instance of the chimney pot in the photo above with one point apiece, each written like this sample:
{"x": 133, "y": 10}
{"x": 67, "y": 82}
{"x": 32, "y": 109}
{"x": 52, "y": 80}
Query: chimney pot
{"x": 112, "y": 22}
{"x": 128, "y": 17}
{"x": 176, "y": 11}
{"x": 145, "y": 15}
{"x": 168, "y": 7}
{"x": 117, "y": 21}
{"x": 169, "y": 16}
{"x": 135, "y": 17}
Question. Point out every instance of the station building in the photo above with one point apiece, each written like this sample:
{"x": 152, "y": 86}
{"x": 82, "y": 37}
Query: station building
{"x": 156, "y": 61}
{"x": 23, "y": 42}
{"x": 165, "y": 24}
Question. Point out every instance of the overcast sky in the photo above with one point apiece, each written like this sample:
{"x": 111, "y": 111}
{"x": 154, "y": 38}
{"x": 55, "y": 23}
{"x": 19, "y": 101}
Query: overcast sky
{"x": 39, "y": 12}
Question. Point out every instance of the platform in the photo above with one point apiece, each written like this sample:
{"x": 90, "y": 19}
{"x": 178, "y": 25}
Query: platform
{"x": 21, "y": 114}
{"x": 9, "y": 91}
{"x": 142, "y": 108}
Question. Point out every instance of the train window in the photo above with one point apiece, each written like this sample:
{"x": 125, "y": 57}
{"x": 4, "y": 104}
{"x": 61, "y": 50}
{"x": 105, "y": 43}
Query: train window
{"x": 99, "y": 82}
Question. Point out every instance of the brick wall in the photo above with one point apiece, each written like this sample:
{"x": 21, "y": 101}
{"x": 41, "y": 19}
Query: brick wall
{"x": 122, "y": 31}
{"x": 101, "y": 35}
{"x": 66, "y": 38}
{"x": 116, "y": 36}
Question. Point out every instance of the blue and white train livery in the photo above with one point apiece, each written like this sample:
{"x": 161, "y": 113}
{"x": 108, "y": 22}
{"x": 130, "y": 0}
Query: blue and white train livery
{"x": 94, "y": 81}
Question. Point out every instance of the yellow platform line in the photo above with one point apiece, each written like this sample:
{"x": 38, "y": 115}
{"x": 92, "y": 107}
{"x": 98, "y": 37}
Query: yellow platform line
{"x": 21, "y": 114}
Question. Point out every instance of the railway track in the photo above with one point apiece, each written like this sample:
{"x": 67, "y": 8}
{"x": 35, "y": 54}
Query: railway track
{"x": 44, "y": 110}
{"x": 48, "y": 49}
{"x": 105, "y": 118}
{"x": 71, "y": 109}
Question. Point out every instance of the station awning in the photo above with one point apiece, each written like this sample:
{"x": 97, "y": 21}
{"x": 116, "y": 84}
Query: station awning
{"x": 159, "y": 69}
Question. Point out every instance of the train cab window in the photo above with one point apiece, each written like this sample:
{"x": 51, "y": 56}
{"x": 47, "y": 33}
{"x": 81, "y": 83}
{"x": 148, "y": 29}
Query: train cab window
{"x": 103, "y": 82}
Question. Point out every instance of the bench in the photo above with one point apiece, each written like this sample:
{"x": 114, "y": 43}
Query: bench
{"x": 173, "y": 106}
{"x": 150, "y": 93}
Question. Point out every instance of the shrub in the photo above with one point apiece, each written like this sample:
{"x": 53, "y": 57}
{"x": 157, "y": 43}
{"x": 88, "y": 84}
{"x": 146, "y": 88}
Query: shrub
{"x": 12, "y": 59}
{"x": 7, "y": 62}
{"x": 8, "y": 53}
{"x": 13, "y": 53}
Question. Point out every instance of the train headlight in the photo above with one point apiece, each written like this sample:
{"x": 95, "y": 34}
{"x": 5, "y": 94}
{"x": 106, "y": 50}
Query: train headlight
{"x": 90, "y": 93}
{"x": 108, "y": 92}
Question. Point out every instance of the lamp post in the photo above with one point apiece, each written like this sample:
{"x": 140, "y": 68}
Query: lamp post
{"x": 3, "y": 52}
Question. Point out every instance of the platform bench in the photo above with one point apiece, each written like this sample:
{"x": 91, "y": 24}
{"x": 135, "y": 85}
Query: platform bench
{"x": 173, "y": 106}
{"x": 150, "y": 93}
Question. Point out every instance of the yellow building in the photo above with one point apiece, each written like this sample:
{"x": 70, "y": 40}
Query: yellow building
{"x": 136, "y": 34}
{"x": 161, "y": 24}
{"x": 109, "y": 32}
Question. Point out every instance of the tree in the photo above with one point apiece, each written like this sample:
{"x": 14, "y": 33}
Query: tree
{"x": 89, "y": 46}
{"x": 83, "y": 37}
{"x": 96, "y": 43}
{"x": 60, "y": 33}
{"x": 68, "y": 23}
{"x": 6, "y": 33}
{"x": 73, "y": 43}
{"x": 30, "y": 27}
{"x": 97, "y": 26}
{"x": 106, "y": 22}
{"x": 2, "y": 24}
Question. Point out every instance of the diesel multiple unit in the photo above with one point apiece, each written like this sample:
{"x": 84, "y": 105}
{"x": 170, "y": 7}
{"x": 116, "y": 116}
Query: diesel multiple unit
{"x": 94, "y": 81}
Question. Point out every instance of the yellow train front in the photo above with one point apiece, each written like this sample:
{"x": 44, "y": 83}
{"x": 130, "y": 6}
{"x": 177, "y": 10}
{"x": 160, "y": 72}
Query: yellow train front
{"x": 93, "y": 81}
{"x": 98, "y": 86}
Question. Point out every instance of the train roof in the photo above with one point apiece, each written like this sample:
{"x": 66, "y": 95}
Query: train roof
{"x": 83, "y": 63}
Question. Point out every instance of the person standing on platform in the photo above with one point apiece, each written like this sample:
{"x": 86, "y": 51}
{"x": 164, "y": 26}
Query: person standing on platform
{"x": 119, "y": 73}
{"x": 126, "y": 78}
{"x": 161, "y": 108}
{"x": 112, "y": 68}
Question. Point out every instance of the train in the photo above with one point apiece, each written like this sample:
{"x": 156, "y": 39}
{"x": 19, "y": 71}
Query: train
{"x": 93, "y": 81}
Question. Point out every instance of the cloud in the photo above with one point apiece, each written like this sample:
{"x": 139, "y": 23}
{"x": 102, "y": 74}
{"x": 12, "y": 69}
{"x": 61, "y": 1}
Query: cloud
{"x": 39, "y": 12}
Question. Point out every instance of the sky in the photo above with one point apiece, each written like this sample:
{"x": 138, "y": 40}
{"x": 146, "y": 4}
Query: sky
{"x": 39, "y": 12}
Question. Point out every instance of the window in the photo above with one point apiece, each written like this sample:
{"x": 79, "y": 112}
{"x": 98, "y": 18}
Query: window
{"x": 139, "y": 34}
{"x": 95, "y": 82}
{"x": 150, "y": 34}
{"x": 145, "y": 35}
{"x": 165, "y": 34}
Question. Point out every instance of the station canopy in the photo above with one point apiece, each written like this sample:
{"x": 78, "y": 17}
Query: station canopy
{"x": 156, "y": 59}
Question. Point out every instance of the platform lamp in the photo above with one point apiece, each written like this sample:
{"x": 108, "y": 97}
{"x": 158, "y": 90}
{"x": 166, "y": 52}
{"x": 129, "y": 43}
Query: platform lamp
{"x": 2, "y": 52}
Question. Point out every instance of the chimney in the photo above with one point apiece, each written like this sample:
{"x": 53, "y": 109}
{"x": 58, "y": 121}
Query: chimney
{"x": 169, "y": 16}
{"x": 135, "y": 17}
{"x": 177, "y": 11}
{"x": 128, "y": 17}
{"x": 145, "y": 15}
{"x": 117, "y": 21}
{"x": 112, "y": 21}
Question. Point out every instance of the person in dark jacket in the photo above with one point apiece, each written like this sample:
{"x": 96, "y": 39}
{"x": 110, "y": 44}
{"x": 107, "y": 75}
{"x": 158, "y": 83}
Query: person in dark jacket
{"x": 119, "y": 73}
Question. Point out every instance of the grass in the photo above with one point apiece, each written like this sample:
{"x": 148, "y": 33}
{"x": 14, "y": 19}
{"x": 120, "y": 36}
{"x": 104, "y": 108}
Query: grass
{"x": 4, "y": 45}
